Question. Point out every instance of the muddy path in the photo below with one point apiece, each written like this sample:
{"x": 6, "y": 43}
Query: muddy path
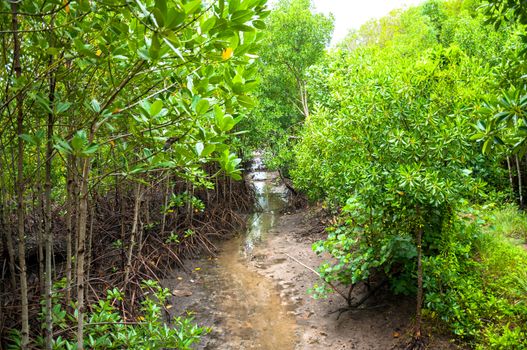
{"x": 253, "y": 294}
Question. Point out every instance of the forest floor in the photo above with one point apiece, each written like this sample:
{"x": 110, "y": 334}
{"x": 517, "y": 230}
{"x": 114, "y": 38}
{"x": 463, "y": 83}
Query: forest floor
{"x": 384, "y": 323}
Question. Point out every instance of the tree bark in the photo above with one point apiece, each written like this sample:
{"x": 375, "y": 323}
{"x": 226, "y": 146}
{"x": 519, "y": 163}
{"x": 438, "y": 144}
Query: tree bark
{"x": 135, "y": 225}
{"x": 510, "y": 173}
{"x": 520, "y": 188}
{"x": 70, "y": 207}
{"x": 38, "y": 201}
{"x": 165, "y": 203}
{"x": 81, "y": 244}
{"x": 48, "y": 233}
{"x": 419, "y": 303}
{"x": 20, "y": 184}
{"x": 89, "y": 249}
{"x": 5, "y": 228}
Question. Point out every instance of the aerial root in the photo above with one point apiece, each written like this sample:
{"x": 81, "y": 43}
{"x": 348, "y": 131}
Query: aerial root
{"x": 417, "y": 343}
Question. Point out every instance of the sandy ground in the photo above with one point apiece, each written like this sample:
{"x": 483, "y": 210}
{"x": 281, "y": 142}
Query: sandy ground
{"x": 385, "y": 323}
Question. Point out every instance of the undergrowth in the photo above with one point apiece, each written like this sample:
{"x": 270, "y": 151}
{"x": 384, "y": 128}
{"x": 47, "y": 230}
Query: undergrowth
{"x": 106, "y": 328}
{"x": 477, "y": 284}
{"x": 509, "y": 221}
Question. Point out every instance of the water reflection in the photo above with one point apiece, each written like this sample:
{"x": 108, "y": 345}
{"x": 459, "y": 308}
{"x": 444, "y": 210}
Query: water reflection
{"x": 271, "y": 197}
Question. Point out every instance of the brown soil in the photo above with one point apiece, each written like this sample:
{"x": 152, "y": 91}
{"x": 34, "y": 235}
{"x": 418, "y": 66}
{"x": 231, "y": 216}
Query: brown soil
{"x": 385, "y": 322}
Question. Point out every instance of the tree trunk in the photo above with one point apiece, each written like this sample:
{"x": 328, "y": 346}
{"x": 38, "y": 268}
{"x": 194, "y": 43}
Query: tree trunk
{"x": 303, "y": 98}
{"x": 419, "y": 303}
{"x": 510, "y": 174}
{"x": 133, "y": 234}
{"x": 165, "y": 203}
{"x": 123, "y": 232}
{"x": 5, "y": 228}
{"x": 70, "y": 208}
{"x": 89, "y": 250}
{"x": 48, "y": 233}
{"x": 520, "y": 189}
{"x": 20, "y": 185}
{"x": 39, "y": 203}
{"x": 81, "y": 244}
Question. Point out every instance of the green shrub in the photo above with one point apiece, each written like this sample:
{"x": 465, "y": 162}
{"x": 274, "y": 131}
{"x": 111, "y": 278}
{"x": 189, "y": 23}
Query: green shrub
{"x": 106, "y": 329}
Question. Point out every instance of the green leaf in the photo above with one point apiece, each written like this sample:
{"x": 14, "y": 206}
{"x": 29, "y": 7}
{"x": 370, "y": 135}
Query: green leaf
{"x": 155, "y": 108}
{"x": 62, "y": 107}
{"x": 245, "y": 101}
{"x": 44, "y": 103}
{"x": 478, "y": 136}
{"x": 227, "y": 123}
{"x": 28, "y": 138}
{"x": 79, "y": 140}
{"x": 202, "y": 107}
{"x": 161, "y": 5}
{"x": 486, "y": 146}
{"x": 155, "y": 45}
{"x": 91, "y": 149}
{"x": 207, "y": 25}
{"x": 144, "y": 53}
{"x": 243, "y": 28}
{"x": 175, "y": 18}
{"x": 258, "y": 24}
{"x": 62, "y": 146}
{"x": 192, "y": 6}
{"x": 234, "y": 5}
{"x": 95, "y": 106}
{"x": 159, "y": 17}
{"x": 199, "y": 148}
{"x": 208, "y": 150}
{"x": 240, "y": 17}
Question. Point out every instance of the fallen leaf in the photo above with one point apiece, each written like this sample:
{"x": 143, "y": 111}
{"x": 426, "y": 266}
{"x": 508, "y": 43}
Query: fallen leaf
{"x": 181, "y": 293}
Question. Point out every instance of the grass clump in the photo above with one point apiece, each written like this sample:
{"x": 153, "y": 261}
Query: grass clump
{"x": 509, "y": 221}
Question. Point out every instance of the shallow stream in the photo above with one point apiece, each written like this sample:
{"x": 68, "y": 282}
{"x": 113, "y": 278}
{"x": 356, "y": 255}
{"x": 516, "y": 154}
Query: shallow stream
{"x": 243, "y": 308}
{"x": 254, "y": 315}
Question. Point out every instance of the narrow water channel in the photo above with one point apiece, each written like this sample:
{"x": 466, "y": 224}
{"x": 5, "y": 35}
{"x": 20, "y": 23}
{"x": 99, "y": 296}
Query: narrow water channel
{"x": 253, "y": 314}
{"x": 243, "y": 308}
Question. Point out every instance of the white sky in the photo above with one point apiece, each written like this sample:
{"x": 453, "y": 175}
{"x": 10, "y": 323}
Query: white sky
{"x": 351, "y": 14}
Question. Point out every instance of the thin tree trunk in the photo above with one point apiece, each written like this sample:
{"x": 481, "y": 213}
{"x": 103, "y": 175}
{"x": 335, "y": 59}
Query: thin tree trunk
{"x": 520, "y": 189}
{"x": 303, "y": 98}
{"x": 20, "y": 185}
{"x": 133, "y": 234}
{"x": 70, "y": 207}
{"x": 81, "y": 244}
{"x": 419, "y": 303}
{"x": 164, "y": 219}
{"x": 41, "y": 223}
{"x": 48, "y": 233}
{"x": 510, "y": 173}
{"x": 5, "y": 227}
{"x": 89, "y": 251}
{"x": 123, "y": 233}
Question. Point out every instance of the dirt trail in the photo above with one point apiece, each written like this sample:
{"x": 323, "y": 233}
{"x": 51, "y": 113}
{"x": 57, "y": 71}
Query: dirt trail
{"x": 254, "y": 295}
